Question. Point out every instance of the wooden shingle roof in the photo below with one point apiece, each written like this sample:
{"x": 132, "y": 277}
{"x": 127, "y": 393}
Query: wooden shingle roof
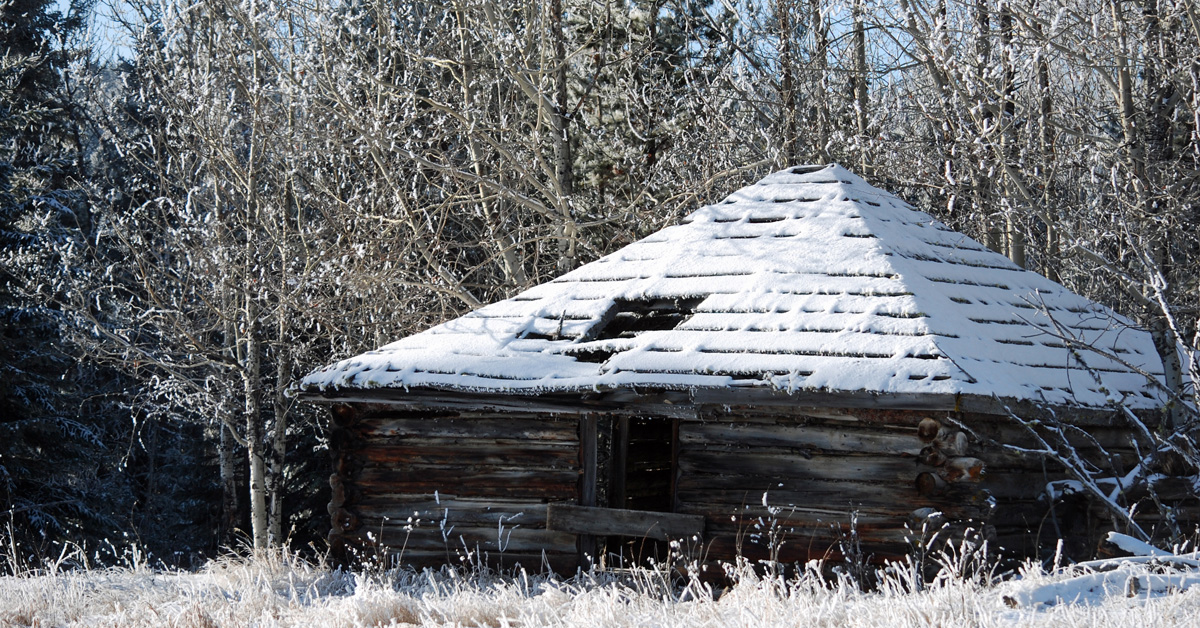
{"x": 809, "y": 280}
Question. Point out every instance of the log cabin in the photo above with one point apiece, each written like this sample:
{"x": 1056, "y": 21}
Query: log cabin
{"x": 807, "y": 355}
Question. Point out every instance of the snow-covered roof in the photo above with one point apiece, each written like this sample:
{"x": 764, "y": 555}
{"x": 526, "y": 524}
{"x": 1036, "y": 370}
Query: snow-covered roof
{"x": 809, "y": 280}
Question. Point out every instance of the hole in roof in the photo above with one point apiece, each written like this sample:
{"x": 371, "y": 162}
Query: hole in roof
{"x": 764, "y": 219}
{"x": 628, "y": 318}
{"x": 860, "y": 235}
{"x": 940, "y": 378}
{"x": 807, "y": 169}
{"x": 996, "y": 321}
{"x": 901, "y": 314}
{"x": 968, "y": 282}
{"x": 960, "y": 300}
{"x": 593, "y": 356}
{"x": 796, "y": 200}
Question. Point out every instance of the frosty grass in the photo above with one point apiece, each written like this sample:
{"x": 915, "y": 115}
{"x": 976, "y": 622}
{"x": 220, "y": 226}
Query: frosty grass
{"x": 282, "y": 591}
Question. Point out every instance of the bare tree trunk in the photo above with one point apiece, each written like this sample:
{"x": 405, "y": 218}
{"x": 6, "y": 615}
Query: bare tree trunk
{"x": 821, "y": 59}
{"x": 275, "y": 488}
{"x": 1015, "y": 237}
{"x": 861, "y": 116}
{"x": 1157, "y": 154}
{"x": 787, "y": 83}
{"x": 563, "y": 159}
{"x": 1052, "y": 258}
{"x": 562, "y": 139}
{"x": 252, "y": 382}
{"x": 231, "y": 497}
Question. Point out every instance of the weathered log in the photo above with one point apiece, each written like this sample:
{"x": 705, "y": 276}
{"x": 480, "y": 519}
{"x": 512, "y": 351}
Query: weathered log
{"x": 816, "y": 437}
{"x": 476, "y": 454}
{"x": 533, "y": 430}
{"x": 928, "y": 429}
{"x": 343, "y": 520}
{"x": 620, "y": 522}
{"x": 929, "y": 484}
{"x": 952, "y": 444}
{"x": 488, "y": 538}
{"x": 426, "y": 515}
{"x": 962, "y": 469}
{"x": 477, "y": 482}
{"x": 932, "y": 456}
{"x": 819, "y": 467}
{"x": 343, "y": 415}
{"x": 337, "y": 497}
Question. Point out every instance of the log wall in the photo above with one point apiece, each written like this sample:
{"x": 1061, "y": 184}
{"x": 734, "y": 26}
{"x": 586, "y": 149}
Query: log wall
{"x": 769, "y": 481}
{"x": 435, "y": 488}
{"x": 894, "y": 471}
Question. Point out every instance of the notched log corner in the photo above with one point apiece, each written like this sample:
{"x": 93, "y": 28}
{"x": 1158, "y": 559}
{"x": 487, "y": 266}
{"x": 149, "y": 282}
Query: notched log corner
{"x": 962, "y": 469}
{"x": 344, "y": 415}
{"x": 928, "y": 429}
{"x": 342, "y": 520}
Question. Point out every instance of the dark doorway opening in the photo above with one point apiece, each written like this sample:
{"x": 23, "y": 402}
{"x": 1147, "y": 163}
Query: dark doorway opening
{"x": 641, "y": 477}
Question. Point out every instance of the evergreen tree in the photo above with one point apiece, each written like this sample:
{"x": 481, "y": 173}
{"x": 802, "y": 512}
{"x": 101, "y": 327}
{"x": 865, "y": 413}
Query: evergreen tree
{"x": 55, "y": 480}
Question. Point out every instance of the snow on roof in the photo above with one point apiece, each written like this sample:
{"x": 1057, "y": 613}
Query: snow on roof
{"x": 810, "y": 280}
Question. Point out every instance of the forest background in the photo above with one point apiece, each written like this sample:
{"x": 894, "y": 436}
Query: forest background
{"x": 200, "y": 202}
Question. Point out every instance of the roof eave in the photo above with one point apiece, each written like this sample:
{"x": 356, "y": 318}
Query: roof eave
{"x": 683, "y": 403}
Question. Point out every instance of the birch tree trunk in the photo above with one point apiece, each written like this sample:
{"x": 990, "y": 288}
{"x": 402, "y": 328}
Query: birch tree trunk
{"x": 252, "y": 389}
{"x": 787, "y": 84}
{"x": 861, "y": 113}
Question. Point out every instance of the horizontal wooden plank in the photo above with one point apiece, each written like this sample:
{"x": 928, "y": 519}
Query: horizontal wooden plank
{"x": 900, "y": 506}
{"x": 451, "y": 500}
{"x": 812, "y": 491}
{"x": 621, "y": 522}
{"x": 784, "y": 466}
{"x": 799, "y": 516}
{"x": 551, "y": 484}
{"x": 817, "y": 437}
{"x": 471, "y": 443}
{"x": 454, "y": 454}
{"x": 517, "y": 429}
{"x": 432, "y": 515}
{"x": 463, "y": 537}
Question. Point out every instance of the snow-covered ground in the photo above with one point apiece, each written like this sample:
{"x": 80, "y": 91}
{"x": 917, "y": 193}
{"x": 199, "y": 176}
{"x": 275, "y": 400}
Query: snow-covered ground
{"x": 281, "y": 592}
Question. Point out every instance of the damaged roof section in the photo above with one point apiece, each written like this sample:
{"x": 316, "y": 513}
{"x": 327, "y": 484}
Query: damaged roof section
{"x": 811, "y": 280}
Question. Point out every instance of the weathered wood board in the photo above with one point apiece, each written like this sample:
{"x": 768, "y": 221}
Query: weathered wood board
{"x": 620, "y": 522}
